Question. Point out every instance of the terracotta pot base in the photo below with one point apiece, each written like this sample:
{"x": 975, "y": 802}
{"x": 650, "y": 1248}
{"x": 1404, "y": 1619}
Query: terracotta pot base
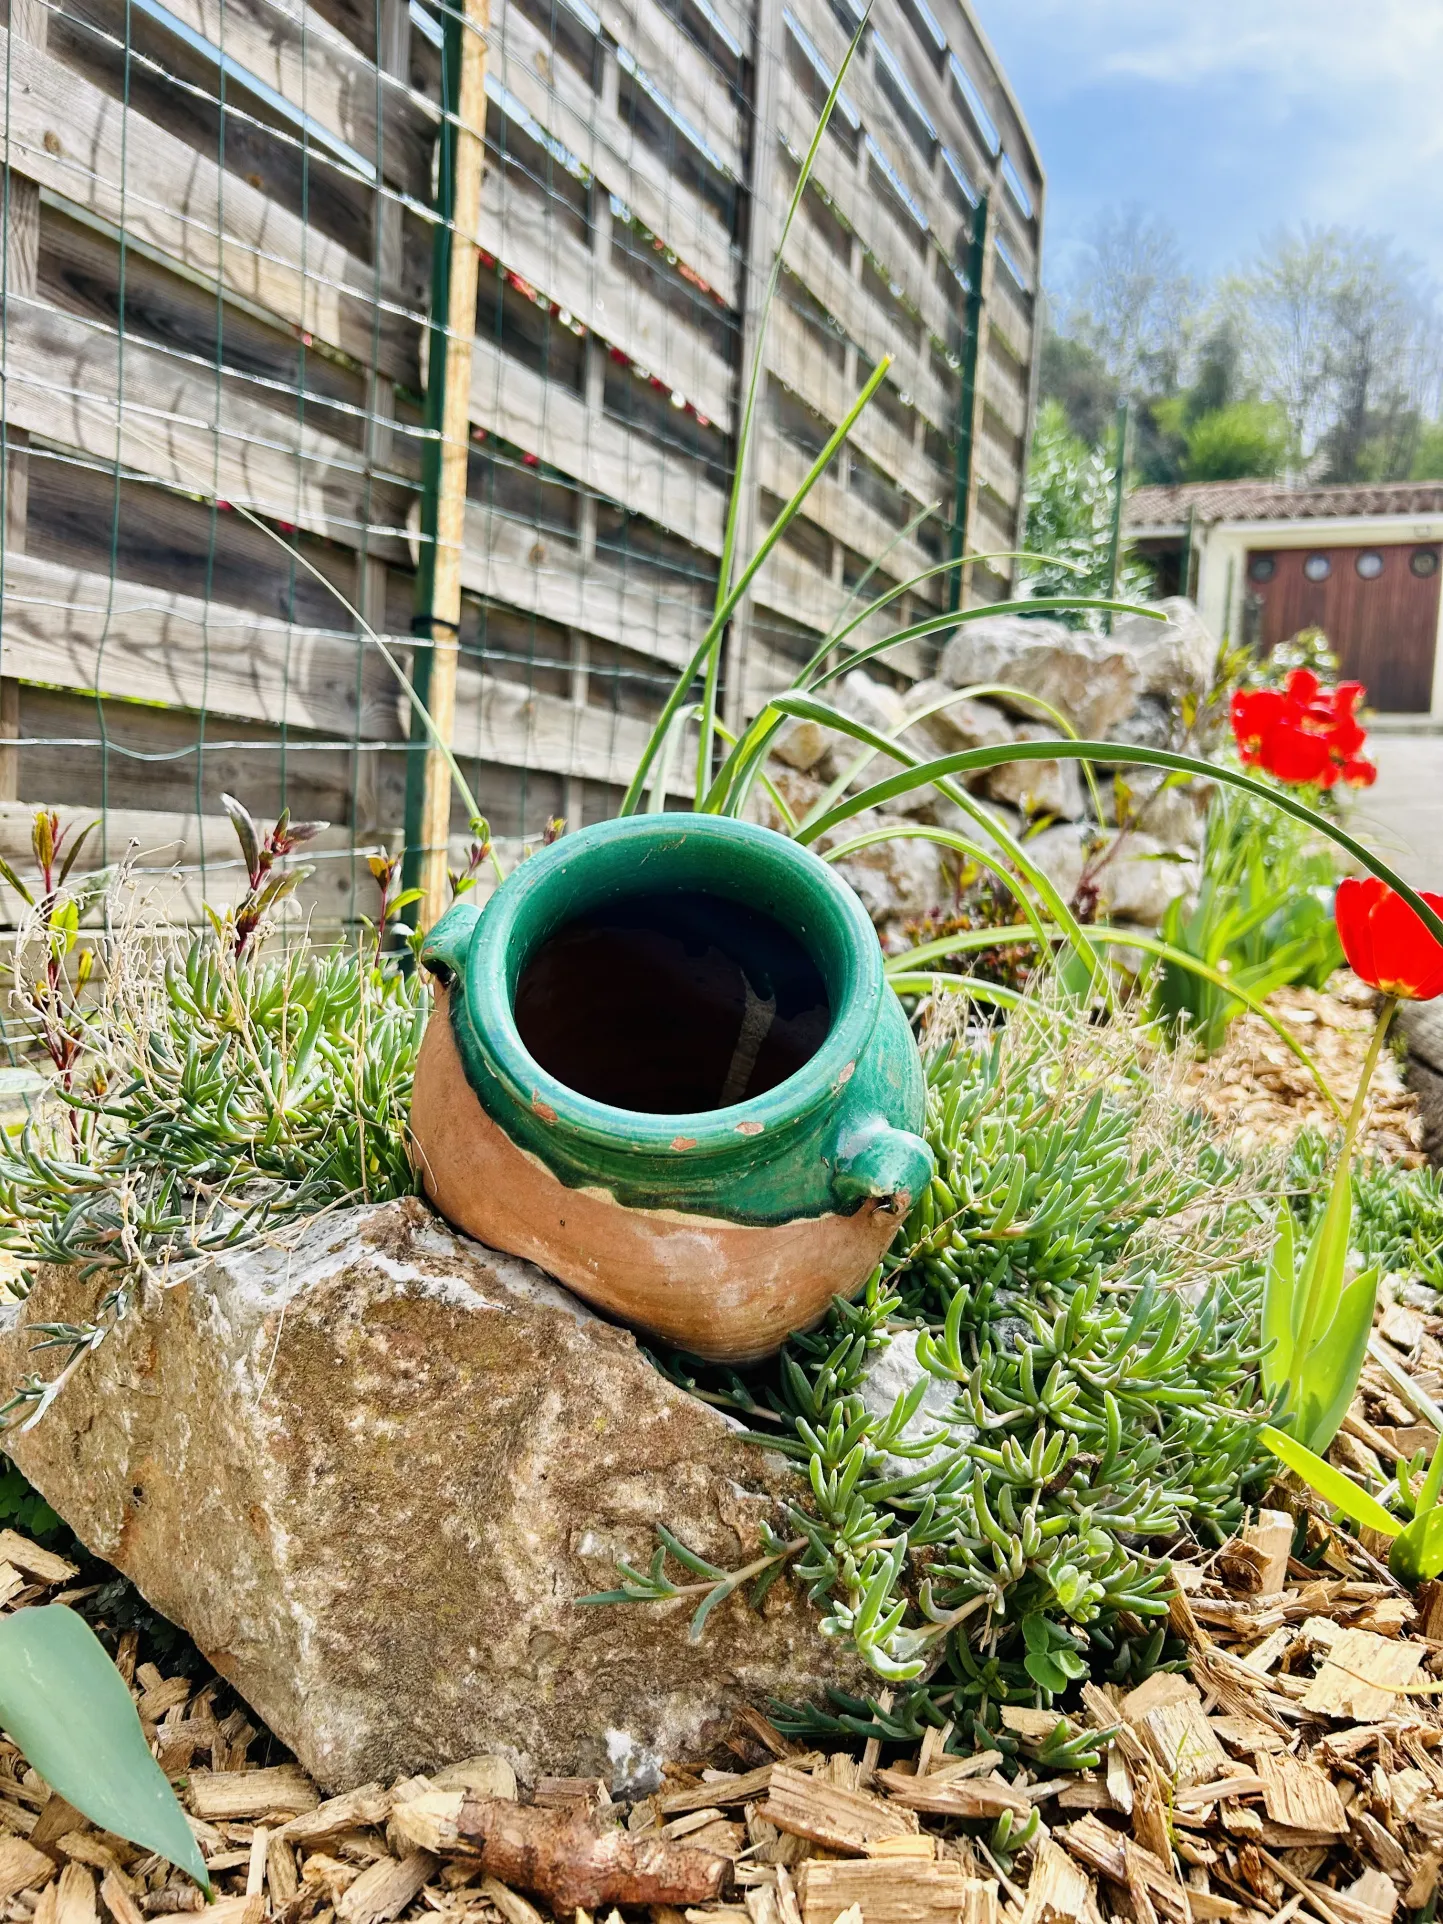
{"x": 730, "y": 1292}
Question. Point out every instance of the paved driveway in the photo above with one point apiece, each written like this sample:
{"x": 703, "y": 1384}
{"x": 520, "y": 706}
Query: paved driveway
{"x": 1401, "y": 816}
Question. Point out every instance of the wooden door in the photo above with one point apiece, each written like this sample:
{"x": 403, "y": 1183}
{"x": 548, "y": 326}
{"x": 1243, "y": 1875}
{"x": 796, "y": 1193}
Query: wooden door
{"x": 1378, "y": 606}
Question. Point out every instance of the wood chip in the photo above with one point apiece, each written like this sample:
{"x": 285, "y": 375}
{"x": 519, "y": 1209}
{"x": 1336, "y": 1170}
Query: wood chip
{"x": 1301, "y": 1795}
{"x": 35, "y": 1562}
{"x": 74, "y": 1896}
{"x": 1353, "y": 1679}
{"x": 1059, "y": 1891}
{"x": 482, "y": 1776}
{"x": 842, "y": 1820}
{"x": 22, "y": 1867}
{"x": 1125, "y": 1863}
{"x": 744, "y": 1789}
{"x": 384, "y": 1891}
{"x": 232, "y": 1910}
{"x": 118, "y": 1900}
{"x": 979, "y": 1900}
{"x": 888, "y": 1892}
{"x": 1178, "y": 1733}
{"x": 970, "y": 1797}
{"x": 168, "y": 1694}
{"x": 252, "y": 1793}
{"x": 1272, "y": 1537}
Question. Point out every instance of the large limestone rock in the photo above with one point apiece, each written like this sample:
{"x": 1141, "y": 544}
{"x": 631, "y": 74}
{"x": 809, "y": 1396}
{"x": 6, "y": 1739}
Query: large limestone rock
{"x": 1175, "y": 657}
{"x": 1092, "y": 679}
{"x": 1037, "y": 788}
{"x": 372, "y": 1467}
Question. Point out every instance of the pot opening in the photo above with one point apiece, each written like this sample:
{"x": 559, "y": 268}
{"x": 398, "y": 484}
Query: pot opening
{"x": 672, "y": 1003}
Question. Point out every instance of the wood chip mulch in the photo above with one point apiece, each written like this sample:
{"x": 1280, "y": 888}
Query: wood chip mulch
{"x": 1295, "y": 1768}
{"x": 1262, "y": 1095}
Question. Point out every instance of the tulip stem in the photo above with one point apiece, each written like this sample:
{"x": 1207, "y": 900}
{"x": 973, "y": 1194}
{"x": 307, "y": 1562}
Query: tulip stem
{"x": 1337, "y": 1212}
{"x": 1370, "y": 1063}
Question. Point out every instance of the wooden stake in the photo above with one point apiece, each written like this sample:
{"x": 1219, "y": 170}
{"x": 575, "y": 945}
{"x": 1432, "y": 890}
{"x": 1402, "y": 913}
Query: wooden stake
{"x": 444, "y": 614}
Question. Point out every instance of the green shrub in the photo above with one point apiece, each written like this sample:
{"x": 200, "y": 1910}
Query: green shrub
{"x": 1081, "y": 1284}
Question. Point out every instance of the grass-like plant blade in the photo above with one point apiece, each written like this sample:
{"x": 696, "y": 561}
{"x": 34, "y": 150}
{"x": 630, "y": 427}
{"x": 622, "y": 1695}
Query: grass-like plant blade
{"x": 62, "y": 1702}
{"x": 972, "y": 760}
{"x": 744, "y": 427}
{"x": 724, "y": 614}
{"x": 1328, "y": 1376}
{"x": 1332, "y": 1485}
{"x": 974, "y": 852}
{"x": 808, "y": 708}
{"x": 1280, "y": 1286}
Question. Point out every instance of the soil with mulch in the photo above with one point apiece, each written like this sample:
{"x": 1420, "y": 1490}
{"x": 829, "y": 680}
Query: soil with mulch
{"x": 1261, "y": 1094}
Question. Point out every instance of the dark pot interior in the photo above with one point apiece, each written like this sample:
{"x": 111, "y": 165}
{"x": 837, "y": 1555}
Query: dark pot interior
{"x": 672, "y": 1003}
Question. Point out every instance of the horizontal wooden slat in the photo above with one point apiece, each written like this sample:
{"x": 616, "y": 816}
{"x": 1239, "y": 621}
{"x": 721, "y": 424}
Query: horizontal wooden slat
{"x": 531, "y": 570}
{"x": 298, "y": 54}
{"x": 64, "y": 133}
{"x": 604, "y": 299}
{"x": 119, "y": 638}
{"x": 510, "y": 400}
{"x": 837, "y": 508}
{"x": 793, "y": 357}
{"x": 82, "y": 387}
{"x": 678, "y": 65}
{"x": 509, "y": 723}
{"x": 567, "y": 108}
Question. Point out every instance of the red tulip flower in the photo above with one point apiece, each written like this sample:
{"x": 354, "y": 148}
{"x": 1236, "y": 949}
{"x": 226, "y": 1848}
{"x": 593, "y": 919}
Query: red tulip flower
{"x": 1386, "y": 942}
{"x": 1303, "y": 733}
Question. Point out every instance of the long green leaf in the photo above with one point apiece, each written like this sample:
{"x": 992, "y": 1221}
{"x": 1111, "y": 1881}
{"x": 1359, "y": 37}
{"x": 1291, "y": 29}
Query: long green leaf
{"x": 810, "y": 709}
{"x": 740, "y": 475}
{"x": 1328, "y": 1375}
{"x": 733, "y": 600}
{"x": 970, "y": 760}
{"x": 1417, "y": 1555}
{"x": 62, "y": 1702}
{"x": 728, "y": 792}
{"x": 1279, "y": 1295}
{"x": 960, "y": 845}
{"x": 1335, "y": 1488}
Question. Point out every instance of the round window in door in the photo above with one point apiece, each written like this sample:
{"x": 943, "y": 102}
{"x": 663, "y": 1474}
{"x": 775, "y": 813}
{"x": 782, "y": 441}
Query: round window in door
{"x": 1369, "y": 564}
{"x": 1262, "y": 567}
{"x": 1317, "y": 567}
{"x": 1424, "y": 562}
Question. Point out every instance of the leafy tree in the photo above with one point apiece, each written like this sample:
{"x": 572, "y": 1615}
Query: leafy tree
{"x": 1246, "y": 440}
{"x": 1427, "y": 464}
{"x": 1132, "y": 299}
{"x": 1069, "y": 515}
{"x": 1073, "y": 373}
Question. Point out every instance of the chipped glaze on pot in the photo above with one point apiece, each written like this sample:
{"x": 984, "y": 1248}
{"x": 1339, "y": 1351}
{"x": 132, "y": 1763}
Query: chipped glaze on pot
{"x": 719, "y": 1230}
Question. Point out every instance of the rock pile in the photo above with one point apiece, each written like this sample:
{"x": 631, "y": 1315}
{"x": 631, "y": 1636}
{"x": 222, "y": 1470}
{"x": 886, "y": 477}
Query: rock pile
{"x": 1135, "y": 686}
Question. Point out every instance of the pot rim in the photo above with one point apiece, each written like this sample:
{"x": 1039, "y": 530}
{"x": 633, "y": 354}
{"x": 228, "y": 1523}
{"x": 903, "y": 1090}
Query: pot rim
{"x": 838, "y": 935}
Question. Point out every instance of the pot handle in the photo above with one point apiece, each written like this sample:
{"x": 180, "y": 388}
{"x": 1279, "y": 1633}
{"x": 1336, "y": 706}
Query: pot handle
{"x": 877, "y": 1163}
{"x": 445, "y": 949}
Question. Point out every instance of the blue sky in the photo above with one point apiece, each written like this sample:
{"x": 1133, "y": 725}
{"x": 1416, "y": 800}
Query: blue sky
{"x": 1229, "y": 117}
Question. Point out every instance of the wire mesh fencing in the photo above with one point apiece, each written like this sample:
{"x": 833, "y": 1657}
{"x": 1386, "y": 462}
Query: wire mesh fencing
{"x": 249, "y": 413}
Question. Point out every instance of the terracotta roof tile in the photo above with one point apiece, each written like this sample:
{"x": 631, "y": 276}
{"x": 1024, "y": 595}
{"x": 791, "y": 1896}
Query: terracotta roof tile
{"x": 1275, "y": 501}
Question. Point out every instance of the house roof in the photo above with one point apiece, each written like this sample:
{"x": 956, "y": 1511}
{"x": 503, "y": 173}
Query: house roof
{"x": 1276, "y": 501}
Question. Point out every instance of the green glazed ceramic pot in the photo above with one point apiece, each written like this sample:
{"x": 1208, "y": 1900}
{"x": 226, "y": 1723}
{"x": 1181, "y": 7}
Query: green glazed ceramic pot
{"x": 666, "y": 1065}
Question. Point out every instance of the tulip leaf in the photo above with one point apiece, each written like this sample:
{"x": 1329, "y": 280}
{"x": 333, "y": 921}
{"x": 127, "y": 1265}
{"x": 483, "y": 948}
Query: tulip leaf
{"x": 1279, "y": 1297}
{"x": 63, "y": 1703}
{"x": 1330, "y": 1374}
{"x": 1332, "y": 1485}
{"x": 1418, "y": 1553}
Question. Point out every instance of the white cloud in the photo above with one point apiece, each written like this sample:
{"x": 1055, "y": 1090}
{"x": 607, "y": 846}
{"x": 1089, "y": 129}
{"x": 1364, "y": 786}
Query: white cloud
{"x": 1334, "y": 101}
